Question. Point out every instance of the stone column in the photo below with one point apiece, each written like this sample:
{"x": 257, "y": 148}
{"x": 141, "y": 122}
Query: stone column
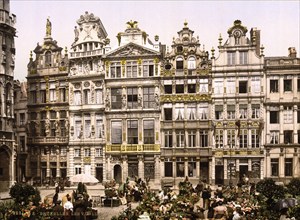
{"x": 141, "y": 170}
{"x": 267, "y": 164}
{"x": 281, "y": 163}
{"x": 186, "y": 169}
{"x": 262, "y": 175}
{"x": 281, "y": 137}
{"x": 125, "y": 168}
{"x": 295, "y": 132}
{"x": 296, "y": 173}
{"x": 198, "y": 168}
{"x": 71, "y": 161}
{"x": 212, "y": 170}
{"x": 226, "y": 167}
{"x": 57, "y": 162}
{"x": 107, "y": 166}
{"x": 157, "y": 173}
{"x": 93, "y": 165}
{"x": 48, "y": 162}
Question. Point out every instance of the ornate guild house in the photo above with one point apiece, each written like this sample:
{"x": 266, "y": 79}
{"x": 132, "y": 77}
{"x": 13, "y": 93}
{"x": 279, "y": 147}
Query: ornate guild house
{"x": 144, "y": 109}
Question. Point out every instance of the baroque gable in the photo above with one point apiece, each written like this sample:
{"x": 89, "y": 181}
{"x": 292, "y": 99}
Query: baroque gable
{"x": 131, "y": 50}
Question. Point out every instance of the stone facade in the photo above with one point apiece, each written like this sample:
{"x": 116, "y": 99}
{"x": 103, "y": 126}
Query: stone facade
{"x": 185, "y": 111}
{"x": 48, "y": 111}
{"x": 237, "y": 107}
{"x": 141, "y": 110}
{"x": 7, "y": 65}
{"x": 282, "y": 107}
{"x": 86, "y": 98}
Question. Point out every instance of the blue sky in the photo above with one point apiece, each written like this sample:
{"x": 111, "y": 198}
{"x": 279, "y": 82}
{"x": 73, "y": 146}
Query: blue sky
{"x": 279, "y": 22}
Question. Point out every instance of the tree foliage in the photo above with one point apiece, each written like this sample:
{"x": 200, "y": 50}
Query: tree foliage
{"x": 24, "y": 193}
{"x": 270, "y": 190}
{"x": 293, "y": 187}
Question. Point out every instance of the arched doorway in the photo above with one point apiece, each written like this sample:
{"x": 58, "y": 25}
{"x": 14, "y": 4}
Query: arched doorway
{"x": 5, "y": 168}
{"x": 118, "y": 173}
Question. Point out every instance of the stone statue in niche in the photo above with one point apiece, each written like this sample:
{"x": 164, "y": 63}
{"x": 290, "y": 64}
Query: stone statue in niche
{"x": 140, "y": 100}
{"x": 156, "y": 100}
{"x": 124, "y": 101}
{"x": 47, "y": 127}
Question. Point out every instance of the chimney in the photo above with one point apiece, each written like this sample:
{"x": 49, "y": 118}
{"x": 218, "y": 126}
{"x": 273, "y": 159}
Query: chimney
{"x": 292, "y": 52}
{"x": 255, "y": 39}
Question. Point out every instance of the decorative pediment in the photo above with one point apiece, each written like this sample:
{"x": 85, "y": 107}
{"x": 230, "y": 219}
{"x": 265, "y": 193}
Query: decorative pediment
{"x": 48, "y": 45}
{"x": 131, "y": 49}
{"x": 237, "y": 25}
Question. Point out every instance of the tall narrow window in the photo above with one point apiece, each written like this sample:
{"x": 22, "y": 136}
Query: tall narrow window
{"x": 287, "y": 85}
{"x": 243, "y": 57}
{"x": 148, "y": 131}
{"x": 255, "y": 108}
{"x": 78, "y": 126}
{"x": 192, "y": 138}
{"x": 116, "y": 98}
{"x": 43, "y": 92}
{"x": 243, "y": 138}
{"x": 288, "y": 166}
{"x": 274, "y": 85}
{"x": 148, "y": 68}
{"x": 132, "y": 132}
{"x": 230, "y": 58}
{"x": 255, "y": 85}
{"x": 191, "y": 63}
{"x": 203, "y": 111}
{"x": 288, "y": 115}
{"x": 243, "y": 111}
{"x": 87, "y": 126}
{"x": 132, "y": 98}
{"x": 219, "y": 112}
{"x": 219, "y": 138}
{"x": 168, "y": 168}
{"x": 254, "y": 138}
{"x": 99, "y": 127}
{"x": 230, "y": 111}
{"x": 204, "y": 85}
{"x": 62, "y": 94}
{"x": 148, "y": 97}
{"x": 179, "y": 63}
{"x": 77, "y": 97}
{"x": 168, "y": 138}
{"x": 218, "y": 86}
{"x": 86, "y": 96}
{"x": 168, "y": 116}
{"x": 179, "y": 138}
{"x": 231, "y": 138}
{"x": 52, "y": 91}
{"x": 203, "y": 138}
{"x": 115, "y": 70}
{"x": 98, "y": 99}
{"x": 230, "y": 86}
{"x": 288, "y": 136}
{"x": 191, "y": 112}
{"x": 274, "y": 137}
{"x": 179, "y": 113}
{"x": 116, "y": 132}
{"x": 274, "y": 166}
{"x": 131, "y": 69}
{"x": 48, "y": 58}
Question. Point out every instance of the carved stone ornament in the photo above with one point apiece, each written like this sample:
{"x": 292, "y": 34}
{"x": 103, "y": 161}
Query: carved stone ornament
{"x": 86, "y": 84}
{"x": 87, "y": 18}
{"x": 77, "y": 86}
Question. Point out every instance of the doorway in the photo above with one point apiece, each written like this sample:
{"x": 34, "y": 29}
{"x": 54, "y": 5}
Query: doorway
{"x": 219, "y": 174}
{"x": 118, "y": 173}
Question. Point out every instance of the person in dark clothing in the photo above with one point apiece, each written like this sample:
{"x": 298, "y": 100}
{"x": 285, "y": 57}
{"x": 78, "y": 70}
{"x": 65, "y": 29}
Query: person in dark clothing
{"x": 206, "y": 196}
{"x": 58, "y": 211}
{"x": 80, "y": 206}
{"x": 55, "y": 198}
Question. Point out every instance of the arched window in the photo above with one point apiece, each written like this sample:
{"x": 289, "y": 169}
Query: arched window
{"x": 191, "y": 63}
{"x": 48, "y": 58}
{"x": 179, "y": 63}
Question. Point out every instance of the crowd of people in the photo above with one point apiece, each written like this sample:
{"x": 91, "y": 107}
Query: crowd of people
{"x": 238, "y": 202}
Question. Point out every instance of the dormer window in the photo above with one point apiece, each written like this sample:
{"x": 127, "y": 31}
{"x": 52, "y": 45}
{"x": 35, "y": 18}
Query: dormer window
{"x": 48, "y": 58}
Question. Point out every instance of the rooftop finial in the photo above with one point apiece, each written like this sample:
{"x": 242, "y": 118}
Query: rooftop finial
{"x": 185, "y": 23}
